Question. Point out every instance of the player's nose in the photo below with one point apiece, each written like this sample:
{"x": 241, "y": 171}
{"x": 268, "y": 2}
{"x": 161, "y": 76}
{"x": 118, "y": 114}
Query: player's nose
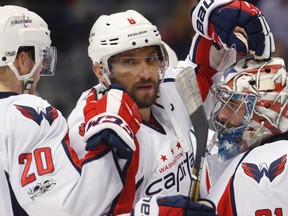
{"x": 224, "y": 114}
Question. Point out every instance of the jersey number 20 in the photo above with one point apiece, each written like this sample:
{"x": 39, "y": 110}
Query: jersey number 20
{"x": 43, "y": 161}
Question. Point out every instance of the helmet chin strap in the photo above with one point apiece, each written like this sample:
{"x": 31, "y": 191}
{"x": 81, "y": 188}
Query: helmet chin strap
{"x": 27, "y": 85}
{"x": 28, "y": 80}
{"x": 107, "y": 80}
{"x": 254, "y": 138}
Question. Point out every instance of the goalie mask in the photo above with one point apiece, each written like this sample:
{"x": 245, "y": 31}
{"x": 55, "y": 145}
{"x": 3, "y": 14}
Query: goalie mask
{"x": 23, "y": 30}
{"x": 250, "y": 104}
{"x": 120, "y": 32}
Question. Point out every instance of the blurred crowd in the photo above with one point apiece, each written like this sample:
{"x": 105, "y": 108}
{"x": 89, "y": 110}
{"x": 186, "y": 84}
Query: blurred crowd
{"x": 71, "y": 20}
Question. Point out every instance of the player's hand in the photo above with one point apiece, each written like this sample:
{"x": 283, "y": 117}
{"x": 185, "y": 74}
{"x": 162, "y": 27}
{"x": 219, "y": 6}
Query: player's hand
{"x": 112, "y": 121}
{"x": 220, "y": 20}
{"x": 173, "y": 205}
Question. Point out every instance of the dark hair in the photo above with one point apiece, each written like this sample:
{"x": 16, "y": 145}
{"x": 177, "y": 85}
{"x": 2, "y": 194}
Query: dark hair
{"x": 29, "y": 49}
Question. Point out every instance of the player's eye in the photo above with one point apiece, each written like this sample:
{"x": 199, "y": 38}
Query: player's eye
{"x": 130, "y": 61}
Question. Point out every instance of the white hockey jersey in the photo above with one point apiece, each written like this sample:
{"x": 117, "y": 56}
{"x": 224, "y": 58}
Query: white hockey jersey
{"x": 255, "y": 182}
{"x": 5, "y": 198}
{"x": 42, "y": 170}
{"x": 164, "y": 167}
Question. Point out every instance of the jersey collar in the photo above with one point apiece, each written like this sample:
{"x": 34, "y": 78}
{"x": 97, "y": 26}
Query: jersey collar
{"x": 7, "y": 94}
{"x": 282, "y": 136}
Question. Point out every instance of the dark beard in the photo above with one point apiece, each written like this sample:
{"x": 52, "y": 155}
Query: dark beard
{"x": 146, "y": 101}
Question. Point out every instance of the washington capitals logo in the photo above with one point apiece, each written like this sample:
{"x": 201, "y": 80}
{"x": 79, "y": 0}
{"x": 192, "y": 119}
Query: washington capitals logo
{"x": 50, "y": 114}
{"x": 275, "y": 169}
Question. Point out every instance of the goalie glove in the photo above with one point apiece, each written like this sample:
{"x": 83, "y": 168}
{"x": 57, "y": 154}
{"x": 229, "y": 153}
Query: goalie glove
{"x": 218, "y": 20}
{"x": 173, "y": 205}
{"x": 112, "y": 121}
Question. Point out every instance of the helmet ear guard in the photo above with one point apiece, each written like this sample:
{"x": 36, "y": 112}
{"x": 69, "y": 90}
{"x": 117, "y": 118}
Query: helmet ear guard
{"x": 267, "y": 82}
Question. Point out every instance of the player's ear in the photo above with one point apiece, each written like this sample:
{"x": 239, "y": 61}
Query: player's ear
{"x": 19, "y": 61}
{"x": 100, "y": 74}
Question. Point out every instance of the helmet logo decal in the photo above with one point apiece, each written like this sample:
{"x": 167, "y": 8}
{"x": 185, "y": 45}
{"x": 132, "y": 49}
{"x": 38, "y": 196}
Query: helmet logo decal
{"x": 257, "y": 172}
{"x": 21, "y": 20}
{"x": 137, "y": 33}
{"x": 131, "y": 21}
{"x": 9, "y": 53}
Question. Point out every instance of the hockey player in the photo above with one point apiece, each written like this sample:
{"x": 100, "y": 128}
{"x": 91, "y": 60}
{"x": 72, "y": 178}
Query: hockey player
{"x": 251, "y": 109}
{"x": 41, "y": 171}
{"x": 136, "y": 120}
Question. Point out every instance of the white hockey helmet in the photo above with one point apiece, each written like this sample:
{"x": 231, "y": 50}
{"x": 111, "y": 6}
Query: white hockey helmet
{"x": 262, "y": 87}
{"x": 120, "y": 32}
{"x": 20, "y": 28}
{"x": 172, "y": 56}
